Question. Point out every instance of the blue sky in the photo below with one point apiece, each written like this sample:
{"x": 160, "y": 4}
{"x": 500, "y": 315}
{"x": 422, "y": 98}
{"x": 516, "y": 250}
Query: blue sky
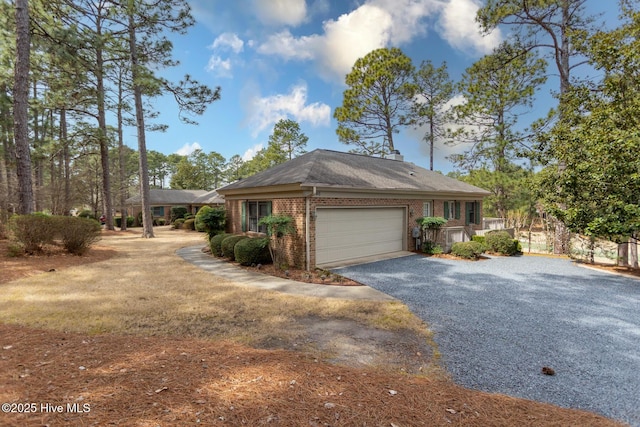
{"x": 279, "y": 59}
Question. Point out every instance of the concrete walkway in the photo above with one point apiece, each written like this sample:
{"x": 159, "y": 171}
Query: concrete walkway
{"x": 240, "y": 276}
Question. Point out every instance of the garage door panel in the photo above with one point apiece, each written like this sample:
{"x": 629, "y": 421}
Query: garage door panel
{"x": 343, "y": 234}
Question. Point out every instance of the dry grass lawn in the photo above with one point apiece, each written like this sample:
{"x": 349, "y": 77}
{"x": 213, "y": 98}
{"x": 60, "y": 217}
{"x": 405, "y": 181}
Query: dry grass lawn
{"x": 143, "y": 338}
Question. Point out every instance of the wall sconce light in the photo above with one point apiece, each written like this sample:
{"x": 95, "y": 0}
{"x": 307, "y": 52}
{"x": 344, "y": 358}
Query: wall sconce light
{"x": 411, "y": 213}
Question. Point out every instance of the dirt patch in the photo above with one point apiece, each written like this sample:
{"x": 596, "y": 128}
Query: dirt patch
{"x": 51, "y": 259}
{"x": 346, "y": 342}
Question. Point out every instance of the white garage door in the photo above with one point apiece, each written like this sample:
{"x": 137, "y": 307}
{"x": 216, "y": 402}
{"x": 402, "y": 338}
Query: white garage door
{"x": 344, "y": 234}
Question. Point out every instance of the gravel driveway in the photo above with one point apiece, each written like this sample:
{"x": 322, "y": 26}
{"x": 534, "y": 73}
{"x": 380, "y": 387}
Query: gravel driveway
{"x": 497, "y": 322}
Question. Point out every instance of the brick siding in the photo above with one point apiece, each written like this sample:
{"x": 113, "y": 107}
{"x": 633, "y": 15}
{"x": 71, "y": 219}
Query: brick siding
{"x": 295, "y": 207}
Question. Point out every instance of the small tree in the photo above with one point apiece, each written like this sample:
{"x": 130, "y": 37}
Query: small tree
{"x": 278, "y": 227}
{"x": 430, "y": 226}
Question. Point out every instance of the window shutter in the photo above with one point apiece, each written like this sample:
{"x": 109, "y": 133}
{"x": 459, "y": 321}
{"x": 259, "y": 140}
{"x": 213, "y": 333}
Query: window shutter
{"x": 269, "y": 208}
{"x": 467, "y": 214}
{"x": 244, "y": 216}
{"x": 478, "y": 213}
{"x": 457, "y": 207}
{"x": 446, "y": 210}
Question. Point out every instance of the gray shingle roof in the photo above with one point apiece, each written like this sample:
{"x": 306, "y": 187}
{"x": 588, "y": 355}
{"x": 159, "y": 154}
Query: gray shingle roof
{"x": 334, "y": 169}
{"x": 171, "y": 197}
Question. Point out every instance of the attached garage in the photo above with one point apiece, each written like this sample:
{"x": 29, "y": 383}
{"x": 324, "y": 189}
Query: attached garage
{"x": 343, "y": 234}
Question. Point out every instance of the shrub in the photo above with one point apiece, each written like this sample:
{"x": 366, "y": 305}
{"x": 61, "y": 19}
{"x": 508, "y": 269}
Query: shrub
{"x": 229, "y": 244}
{"x": 479, "y": 239}
{"x": 178, "y": 223}
{"x": 86, "y": 213}
{"x": 77, "y": 234}
{"x": 252, "y": 251}
{"x": 130, "y": 221}
{"x": 432, "y": 248}
{"x": 210, "y": 220}
{"x": 215, "y": 243}
{"x": 161, "y": 221}
{"x": 178, "y": 212}
{"x": 32, "y": 231}
{"x": 468, "y": 250}
{"x": 189, "y": 224}
{"x": 500, "y": 242}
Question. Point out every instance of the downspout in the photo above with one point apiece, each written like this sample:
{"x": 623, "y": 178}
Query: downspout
{"x": 307, "y": 229}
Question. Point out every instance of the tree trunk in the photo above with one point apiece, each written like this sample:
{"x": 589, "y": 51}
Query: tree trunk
{"x": 633, "y": 251}
{"x": 66, "y": 162}
{"x": 122, "y": 188}
{"x": 147, "y": 219}
{"x": 21, "y": 109}
{"x": 623, "y": 254}
{"x": 102, "y": 131}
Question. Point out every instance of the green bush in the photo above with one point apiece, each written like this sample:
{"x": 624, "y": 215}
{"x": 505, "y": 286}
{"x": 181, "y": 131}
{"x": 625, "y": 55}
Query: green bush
{"x": 252, "y": 251}
{"x": 77, "y": 234}
{"x": 130, "y": 221}
{"x": 189, "y": 224}
{"x": 229, "y": 244}
{"x": 210, "y": 220}
{"x": 215, "y": 243}
{"x": 161, "y": 221}
{"x": 468, "y": 250}
{"x": 32, "y": 231}
{"x": 178, "y": 223}
{"x": 86, "y": 213}
{"x": 479, "y": 239}
{"x": 178, "y": 212}
{"x": 432, "y": 248}
{"x": 500, "y": 242}
{"x": 431, "y": 222}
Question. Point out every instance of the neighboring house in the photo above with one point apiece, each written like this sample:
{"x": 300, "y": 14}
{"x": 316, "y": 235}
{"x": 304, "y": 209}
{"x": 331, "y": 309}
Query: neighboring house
{"x": 349, "y": 206}
{"x": 161, "y": 201}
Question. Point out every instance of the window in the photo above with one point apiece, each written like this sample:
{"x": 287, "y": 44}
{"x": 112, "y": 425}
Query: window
{"x": 451, "y": 209}
{"x": 252, "y": 213}
{"x": 426, "y": 209}
{"x": 157, "y": 211}
{"x": 473, "y": 215}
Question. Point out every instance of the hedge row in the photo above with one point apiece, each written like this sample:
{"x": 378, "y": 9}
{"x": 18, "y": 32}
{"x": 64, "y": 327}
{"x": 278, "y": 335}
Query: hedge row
{"x": 499, "y": 242}
{"x": 34, "y": 231}
{"x": 243, "y": 249}
{"x": 468, "y": 250}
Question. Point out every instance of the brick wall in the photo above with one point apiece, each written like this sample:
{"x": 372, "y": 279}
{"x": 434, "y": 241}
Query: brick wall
{"x": 295, "y": 207}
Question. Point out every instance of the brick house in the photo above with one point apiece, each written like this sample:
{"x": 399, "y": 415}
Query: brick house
{"x": 348, "y": 206}
{"x": 162, "y": 200}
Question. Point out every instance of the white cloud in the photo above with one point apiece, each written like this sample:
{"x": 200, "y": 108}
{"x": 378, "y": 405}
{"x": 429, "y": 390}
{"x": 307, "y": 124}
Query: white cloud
{"x": 265, "y": 112}
{"x": 220, "y": 67}
{"x": 281, "y": 12}
{"x": 251, "y": 152}
{"x": 381, "y": 23}
{"x": 285, "y": 45}
{"x": 351, "y": 37}
{"x": 187, "y": 149}
{"x": 224, "y": 42}
{"x": 458, "y": 27}
{"x": 228, "y": 41}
